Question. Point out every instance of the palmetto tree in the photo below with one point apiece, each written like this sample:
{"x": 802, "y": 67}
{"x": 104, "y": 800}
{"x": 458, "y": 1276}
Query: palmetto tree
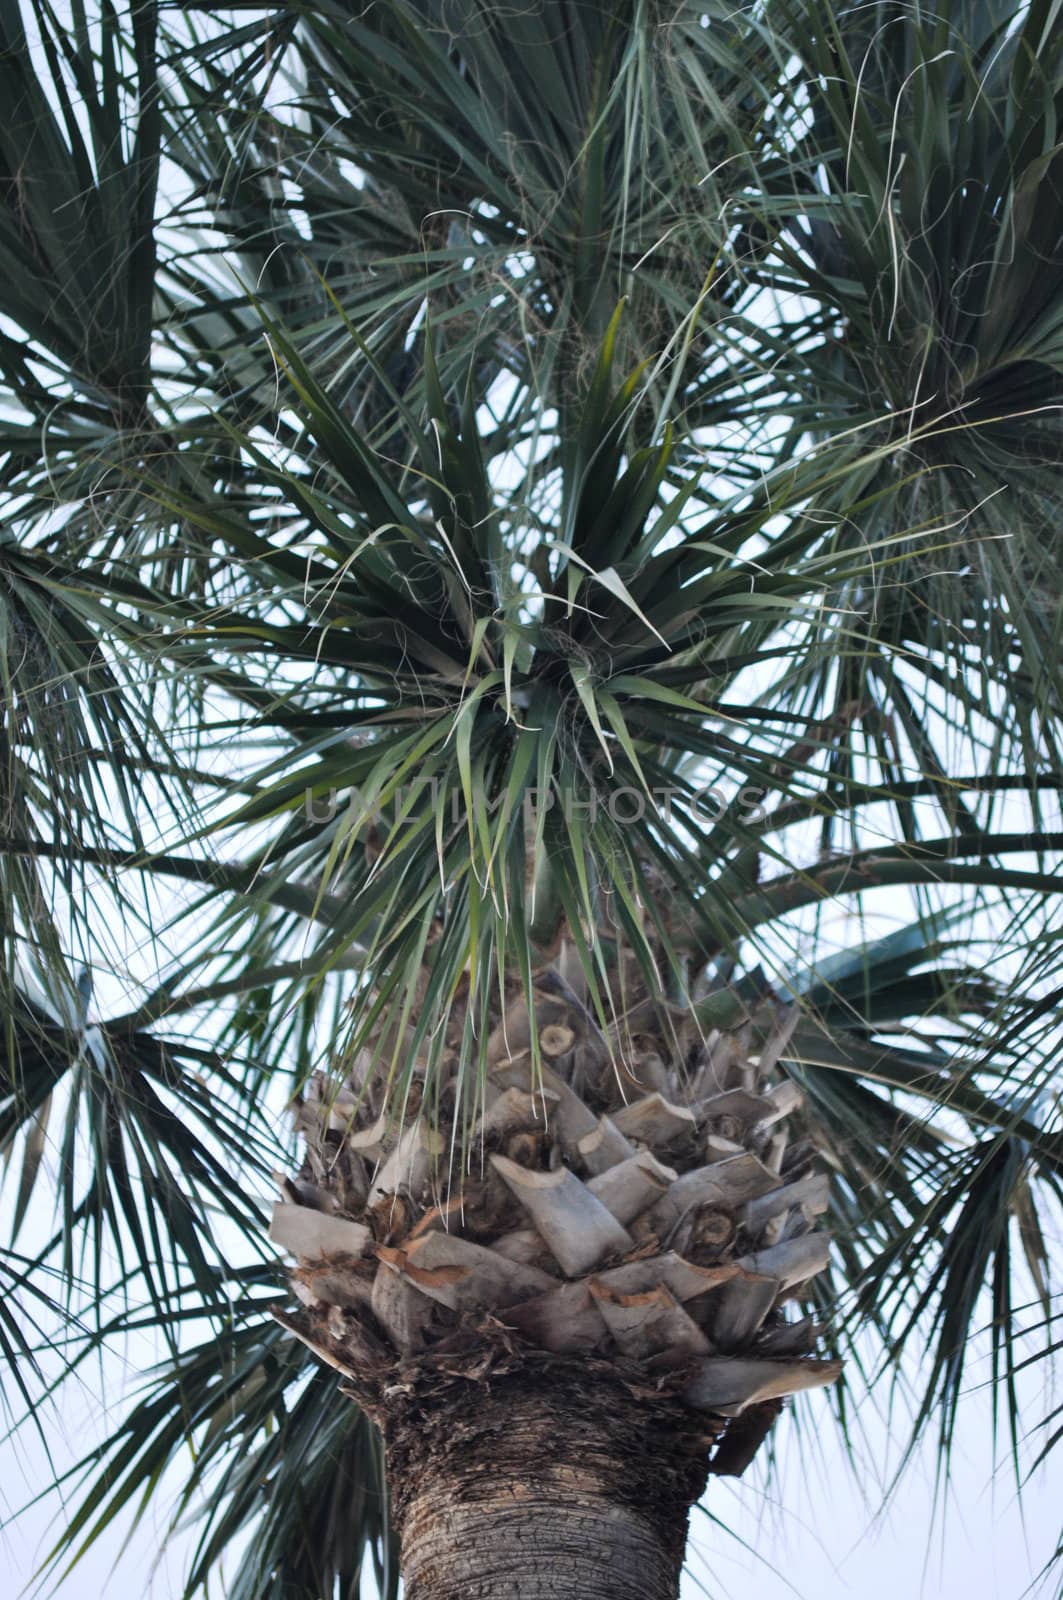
{"x": 531, "y": 581}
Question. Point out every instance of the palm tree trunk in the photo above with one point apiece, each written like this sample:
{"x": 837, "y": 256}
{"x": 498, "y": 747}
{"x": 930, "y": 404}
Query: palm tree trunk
{"x": 547, "y": 1482}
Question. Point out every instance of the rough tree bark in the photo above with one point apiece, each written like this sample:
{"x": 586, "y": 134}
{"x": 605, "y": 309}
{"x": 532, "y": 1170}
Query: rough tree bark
{"x": 543, "y": 1484}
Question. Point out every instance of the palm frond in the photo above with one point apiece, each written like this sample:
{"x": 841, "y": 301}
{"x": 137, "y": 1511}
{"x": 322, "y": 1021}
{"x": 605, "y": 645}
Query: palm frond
{"x": 594, "y": 475}
{"x": 274, "y": 1458}
{"x": 78, "y": 170}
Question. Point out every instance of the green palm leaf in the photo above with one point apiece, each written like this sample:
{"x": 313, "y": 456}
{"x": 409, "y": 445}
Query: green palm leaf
{"x": 551, "y": 503}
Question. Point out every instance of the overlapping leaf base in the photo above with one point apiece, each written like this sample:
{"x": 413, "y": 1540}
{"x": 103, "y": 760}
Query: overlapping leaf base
{"x": 631, "y": 1199}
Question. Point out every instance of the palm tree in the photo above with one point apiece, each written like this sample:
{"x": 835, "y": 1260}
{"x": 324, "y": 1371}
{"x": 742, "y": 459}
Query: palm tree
{"x": 520, "y": 525}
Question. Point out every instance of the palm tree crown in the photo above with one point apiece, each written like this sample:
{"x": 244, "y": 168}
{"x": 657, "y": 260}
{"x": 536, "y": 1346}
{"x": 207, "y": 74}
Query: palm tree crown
{"x": 521, "y": 524}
